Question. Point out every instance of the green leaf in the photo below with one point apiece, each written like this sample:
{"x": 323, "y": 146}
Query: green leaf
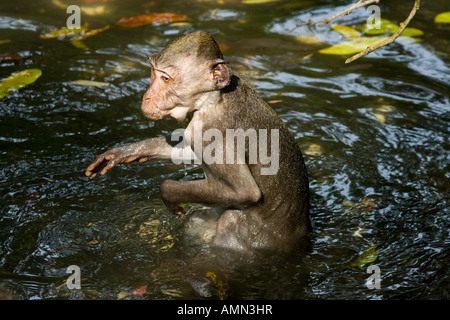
{"x": 412, "y": 32}
{"x": 366, "y": 257}
{"x": 18, "y": 80}
{"x": 443, "y": 17}
{"x": 79, "y": 44}
{"x": 352, "y": 47}
{"x": 90, "y": 83}
{"x": 387, "y": 26}
{"x": 384, "y": 26}
{"x": 346, "y": 31}
{"x": 64, "y": 32}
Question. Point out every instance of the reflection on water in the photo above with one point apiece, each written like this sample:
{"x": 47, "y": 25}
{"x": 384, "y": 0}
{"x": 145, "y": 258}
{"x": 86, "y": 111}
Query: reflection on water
{"x": 375, "y": 135}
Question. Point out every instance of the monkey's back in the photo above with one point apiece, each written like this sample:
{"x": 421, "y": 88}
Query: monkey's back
{"x": 284, "y": 209}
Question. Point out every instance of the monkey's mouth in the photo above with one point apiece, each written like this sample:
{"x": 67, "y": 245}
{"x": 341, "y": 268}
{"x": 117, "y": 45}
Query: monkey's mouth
{"x": 154, "y": 115}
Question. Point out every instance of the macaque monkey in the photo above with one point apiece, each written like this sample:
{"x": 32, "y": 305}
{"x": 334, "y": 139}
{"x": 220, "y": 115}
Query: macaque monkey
{"x": 266, "y": 211}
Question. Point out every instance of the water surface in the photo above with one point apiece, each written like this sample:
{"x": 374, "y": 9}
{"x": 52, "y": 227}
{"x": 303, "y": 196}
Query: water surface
{"x": 375, "y": 135}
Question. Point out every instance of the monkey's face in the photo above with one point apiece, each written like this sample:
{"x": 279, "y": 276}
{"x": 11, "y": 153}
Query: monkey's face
{"x": 181, "y": 86}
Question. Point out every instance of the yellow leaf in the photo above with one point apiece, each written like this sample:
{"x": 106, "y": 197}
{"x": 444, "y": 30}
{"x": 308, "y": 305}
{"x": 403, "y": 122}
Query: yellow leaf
{"x": 352, "y": 46}
{"x": 122, "y": 294}
{"x": 313, "y": 150}
{"x": 223, "y": 287}
{"x": 380, "y": 117}
{"x": 358, "y": 232}
{"x": 312, "y": 40}
{"x": 95, "y": 11}
{"x": 412, "y": 32}
{"x": 64, "y": 32}
{"x": 348, "y": 203}
{"x": 384, "y": 26}
{"x": 180, "y": 24}
{"x": 257, "y": 1}
{"x": 91, "y": 83}
{"x": 346, "y": 31}
{"x": 79, "y": 44}
{"x": 176, "y": 293}
{"x": 443, "y": 17}
{"x": 18, "y": 80}
{"x": 366, "y": 257}
{"x": 385, "y": 107}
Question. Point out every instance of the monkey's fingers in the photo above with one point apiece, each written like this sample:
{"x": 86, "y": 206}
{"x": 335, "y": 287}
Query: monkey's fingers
{"x": 99, "y": 163}
{"x": 112, "y": 160}
{"x": 179, "y": 211}
{"x": 95, "y": 168}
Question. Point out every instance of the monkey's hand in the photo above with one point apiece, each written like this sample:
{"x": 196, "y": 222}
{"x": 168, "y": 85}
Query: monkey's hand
{"x": 106, "y": 161}
{"x": 179, "y": 211}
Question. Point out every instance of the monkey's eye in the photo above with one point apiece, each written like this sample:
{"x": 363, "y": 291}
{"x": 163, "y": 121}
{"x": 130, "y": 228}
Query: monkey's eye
{"x": 166, "y": 79}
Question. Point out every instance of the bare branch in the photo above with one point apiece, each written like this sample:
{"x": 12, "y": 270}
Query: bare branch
{"x": 391, "y": 38}
{"x": 360, "y": 3}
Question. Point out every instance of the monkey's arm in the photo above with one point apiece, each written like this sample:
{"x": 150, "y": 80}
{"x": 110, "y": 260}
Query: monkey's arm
{"x": 226, "y": 185}
{"x": 156, "y": 148}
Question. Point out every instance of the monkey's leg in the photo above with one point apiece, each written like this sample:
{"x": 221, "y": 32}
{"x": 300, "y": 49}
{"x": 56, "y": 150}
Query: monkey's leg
{"x": 226, "y": 185}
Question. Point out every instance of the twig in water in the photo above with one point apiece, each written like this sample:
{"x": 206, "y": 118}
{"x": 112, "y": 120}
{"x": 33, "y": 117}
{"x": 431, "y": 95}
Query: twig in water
{"x": 389, "y": 40}
{"x": 360, "y": 3}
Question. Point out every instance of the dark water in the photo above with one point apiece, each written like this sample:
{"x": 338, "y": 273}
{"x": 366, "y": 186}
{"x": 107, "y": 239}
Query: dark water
{"x": 375, "y": 135}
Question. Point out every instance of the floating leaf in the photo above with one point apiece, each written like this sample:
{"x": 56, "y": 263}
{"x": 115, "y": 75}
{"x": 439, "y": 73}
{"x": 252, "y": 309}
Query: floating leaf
{"x": 173, "y": 293}
{"x": 180, "y": 24}
{"x": 443, "y": 17}
{"x": 18, "y": 80}
{"x": 346, "y": 31}
{"x": 358, "y": 232}
{"x": 90, "y": 10}
{"x": 223, "y": 287}
{"x": 384, "y": 26}
{"x": 403, "y": 39}
{"x": 136, "y": 21}
{"x": 79, "y": 44}
{"x": 385, "y": 108}
{"x": 412, "y": 32}
{"x": 352, "y": 46}
{"x": 140, "y": 290}
{"x": 10, "y": 57}
{"x": 313, "y": 150}
{"x": 366, "y": 257}
{"x": 63, "y": 32}
{"x": 94, "y": 11}
{"x": 122, "y": 295}
{"x": 380, "y": 117}
{"x": 92, "y": 32}
{"x": 312, "y": 40}
{"x": 369, "y": 203}
{"x": 91, "y": 83}
{"x": 348, "y": 203}
{"x": 257, "y": 1}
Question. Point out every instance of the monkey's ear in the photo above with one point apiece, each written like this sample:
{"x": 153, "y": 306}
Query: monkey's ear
{"x": 221, "y": 73}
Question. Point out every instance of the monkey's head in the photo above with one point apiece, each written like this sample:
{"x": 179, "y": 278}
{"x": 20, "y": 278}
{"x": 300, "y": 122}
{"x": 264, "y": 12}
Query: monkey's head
{"x": 187, "y": 74}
